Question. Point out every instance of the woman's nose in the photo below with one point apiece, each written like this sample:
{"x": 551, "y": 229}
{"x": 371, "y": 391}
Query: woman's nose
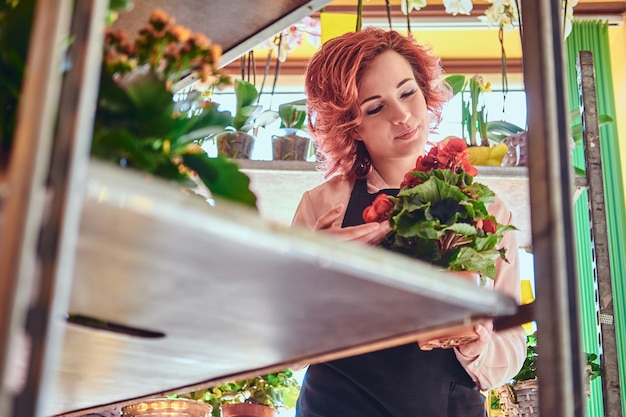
{"x": 400, "y": 114}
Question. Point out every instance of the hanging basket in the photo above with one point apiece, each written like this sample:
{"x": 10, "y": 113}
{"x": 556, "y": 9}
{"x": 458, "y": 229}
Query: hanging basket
{"x": 527, "y": 404}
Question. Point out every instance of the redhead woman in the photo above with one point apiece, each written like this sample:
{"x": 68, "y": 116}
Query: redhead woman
{"x": 373, "y": 98}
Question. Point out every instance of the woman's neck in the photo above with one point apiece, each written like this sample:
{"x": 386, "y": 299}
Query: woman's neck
{"x": 393, "y": 171}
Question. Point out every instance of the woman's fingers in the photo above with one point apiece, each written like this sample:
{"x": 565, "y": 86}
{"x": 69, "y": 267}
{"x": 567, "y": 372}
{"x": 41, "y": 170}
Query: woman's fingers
{"x": 371, "y": 233}
{"x": 329, "y": 218}
{"x": 484, "y": 332}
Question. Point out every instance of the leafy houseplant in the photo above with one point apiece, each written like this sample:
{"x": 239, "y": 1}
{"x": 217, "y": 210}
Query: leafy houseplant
{"x": 526, "y": 379}
{"x": 440, "y": 215}
{"x": 294, "y": 143}
{"x": 138, "y": 123}
{"x": 237, "y": 142}
{"x": 515, "y": 136}
{"x": 275, "y": 390}
{"x": 474, "y": 120}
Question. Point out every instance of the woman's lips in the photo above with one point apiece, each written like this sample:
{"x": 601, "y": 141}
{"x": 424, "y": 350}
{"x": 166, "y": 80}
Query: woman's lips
{"x": 407, "y": 134}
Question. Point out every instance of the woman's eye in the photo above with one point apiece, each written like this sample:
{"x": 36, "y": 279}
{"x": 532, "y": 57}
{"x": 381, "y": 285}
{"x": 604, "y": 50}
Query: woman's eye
{"x": 408, "y": 94}
{"x": 374, "y": 110}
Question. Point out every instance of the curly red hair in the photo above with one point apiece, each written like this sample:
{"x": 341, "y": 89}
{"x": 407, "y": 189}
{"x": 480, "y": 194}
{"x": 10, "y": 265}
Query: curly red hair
{"x": 331, "y": 85}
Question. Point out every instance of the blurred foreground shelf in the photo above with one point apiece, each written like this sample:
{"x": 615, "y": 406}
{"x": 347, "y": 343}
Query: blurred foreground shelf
{"x": 223, "y": 293}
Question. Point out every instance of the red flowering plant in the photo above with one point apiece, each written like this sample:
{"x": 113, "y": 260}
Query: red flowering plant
{"x": 440, "y": 215}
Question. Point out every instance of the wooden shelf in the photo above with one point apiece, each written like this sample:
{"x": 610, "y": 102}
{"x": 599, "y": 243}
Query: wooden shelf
{"x": 231, "y": 293}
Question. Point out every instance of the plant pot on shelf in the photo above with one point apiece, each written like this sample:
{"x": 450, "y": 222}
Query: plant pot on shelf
{"x": 235, "y": 145}
{"x": 247, "y": 410}
{"x": 520, "y": 400}
{"x": 292, "y": 145}
{"x": 170, "y": 407}
{"x": 517, "y": 150}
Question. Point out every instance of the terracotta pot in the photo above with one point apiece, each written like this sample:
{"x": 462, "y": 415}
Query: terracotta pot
{"x": 247, "y": 410}
{"x": 170, "y": 407}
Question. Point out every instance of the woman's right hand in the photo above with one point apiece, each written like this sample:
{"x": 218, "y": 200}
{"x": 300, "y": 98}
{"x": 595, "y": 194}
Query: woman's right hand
{"x": 368, "y": 233}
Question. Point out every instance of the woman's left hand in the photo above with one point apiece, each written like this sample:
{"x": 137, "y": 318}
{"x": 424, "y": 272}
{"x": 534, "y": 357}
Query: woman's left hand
{"x": 473, "y": 349}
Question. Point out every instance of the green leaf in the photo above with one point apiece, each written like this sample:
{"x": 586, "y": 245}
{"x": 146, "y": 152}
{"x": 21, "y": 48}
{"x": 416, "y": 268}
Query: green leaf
{"x": 456, "y": 83}
{"x": 222, "y": 177}
{"x": 245, "y": 93}
{"x": 468, "y": 259}
{"x": 435, "y": 190}
{"x": 188, "y": 129}
{"x": 462, "y": 229}
{"x": 497, "y": 130}
{"x": 577, "y": 129}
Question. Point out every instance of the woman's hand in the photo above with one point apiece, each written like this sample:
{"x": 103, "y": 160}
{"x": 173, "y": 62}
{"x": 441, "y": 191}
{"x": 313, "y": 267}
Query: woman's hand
{"x": 473, "y": 349}
{"x": 368, "y": 233}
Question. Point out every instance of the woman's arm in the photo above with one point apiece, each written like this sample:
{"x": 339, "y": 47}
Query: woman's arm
{"x": 504, "y": 353}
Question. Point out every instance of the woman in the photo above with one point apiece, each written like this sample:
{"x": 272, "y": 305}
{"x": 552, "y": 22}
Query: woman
{"x": 373, "y": 97}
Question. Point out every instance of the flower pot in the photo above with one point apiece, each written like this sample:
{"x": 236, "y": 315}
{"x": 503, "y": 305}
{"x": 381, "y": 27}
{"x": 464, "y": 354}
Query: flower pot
{"x": 292, "y": 146}
{"x": 522, "y": 399}
{"x": 247, "y": 410}
{"x": 517, "y": 150}
{"x": 235, "y": 145}
{"x": 170, "y": 407}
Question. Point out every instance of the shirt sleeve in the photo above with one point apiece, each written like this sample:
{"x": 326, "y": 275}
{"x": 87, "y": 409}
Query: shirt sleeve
{"x": 503, "y": 357}
{"x": 305, "y": 214}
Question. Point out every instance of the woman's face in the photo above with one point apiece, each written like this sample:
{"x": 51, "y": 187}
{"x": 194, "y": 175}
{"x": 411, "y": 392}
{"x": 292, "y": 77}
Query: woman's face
{"x": 395, "y": 121}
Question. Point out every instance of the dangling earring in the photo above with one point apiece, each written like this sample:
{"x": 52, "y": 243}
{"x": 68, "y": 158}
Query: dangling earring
{"x": 362, "y": 161}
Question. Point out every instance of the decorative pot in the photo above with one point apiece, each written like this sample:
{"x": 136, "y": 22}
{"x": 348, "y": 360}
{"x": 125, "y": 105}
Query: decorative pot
{"x": 293, "y": 145}
{"x": 235, "y": 145}
{"x": 167, "y": 407}
{"x": 247, "y": 410}
{"x": 517, "y": 150}
{"x": 521, "y": 399}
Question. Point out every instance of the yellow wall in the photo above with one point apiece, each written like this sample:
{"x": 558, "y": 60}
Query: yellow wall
{"x": 617, "y": 41}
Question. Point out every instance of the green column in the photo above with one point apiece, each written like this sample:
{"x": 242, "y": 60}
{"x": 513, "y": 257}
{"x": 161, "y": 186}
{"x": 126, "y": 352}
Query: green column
{"x": 593, "y": 36}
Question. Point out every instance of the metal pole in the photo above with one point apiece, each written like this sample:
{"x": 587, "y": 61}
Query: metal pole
{"x": 556, "y": 310}
{"x": 602, "y": 271}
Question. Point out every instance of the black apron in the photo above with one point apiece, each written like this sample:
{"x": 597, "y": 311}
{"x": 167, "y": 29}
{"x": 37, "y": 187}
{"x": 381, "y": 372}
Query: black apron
{"x": 402, "y": 381}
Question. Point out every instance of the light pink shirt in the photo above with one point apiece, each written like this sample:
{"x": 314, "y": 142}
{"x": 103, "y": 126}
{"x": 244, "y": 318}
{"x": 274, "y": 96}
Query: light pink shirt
{"x": 504, "y": 355}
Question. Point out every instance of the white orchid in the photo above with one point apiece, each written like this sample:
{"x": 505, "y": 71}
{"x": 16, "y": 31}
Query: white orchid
{"x": 569, "y": 15}
{"x": 408, "y": 5}
{"x": 501, "y": 13}
{"x": 455, "y": 7}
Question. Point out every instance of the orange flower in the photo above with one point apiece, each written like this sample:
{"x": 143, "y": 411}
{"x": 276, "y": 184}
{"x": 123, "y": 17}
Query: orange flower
{"x": 379, "y": 210}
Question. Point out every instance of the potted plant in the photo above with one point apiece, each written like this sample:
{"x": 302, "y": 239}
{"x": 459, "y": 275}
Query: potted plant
{"x": 293, "y": 143}
{"x": 520, "y": 395}
{"x": 474, "y": 120}
{"x": 255, "y": 396}
{"x": 138, "y": 123}
{"x": 515, "y": 137}
{"x": 440, "y": 216}
{"x": 237, "y": 142}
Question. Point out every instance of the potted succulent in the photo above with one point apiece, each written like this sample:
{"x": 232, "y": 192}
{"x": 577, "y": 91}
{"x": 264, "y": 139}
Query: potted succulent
{"x": 256, "y": 396}
{"x": 293, "y": 143}
{"x": 138, "y": 123}
{"x": 237, "y": 142}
